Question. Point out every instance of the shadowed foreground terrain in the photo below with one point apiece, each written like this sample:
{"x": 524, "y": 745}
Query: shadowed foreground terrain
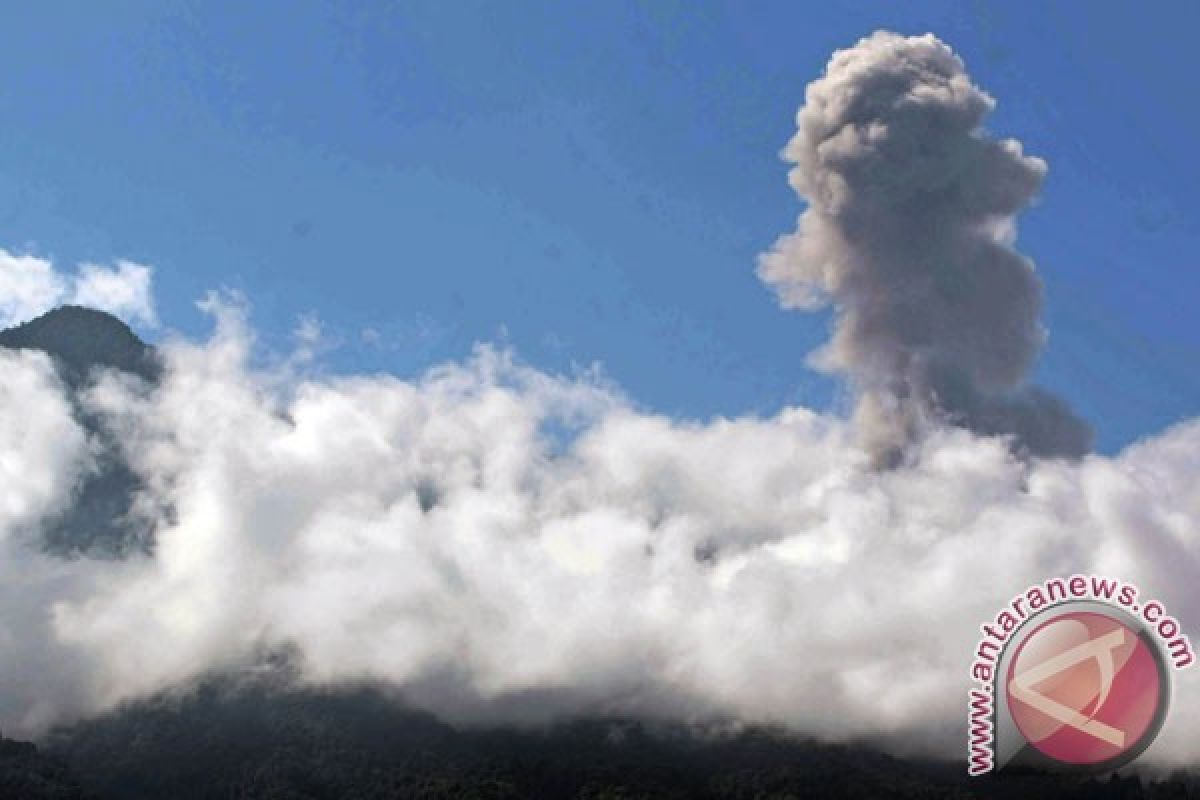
{"x": 221, "y": 740}
{"x": 27, "y": 773}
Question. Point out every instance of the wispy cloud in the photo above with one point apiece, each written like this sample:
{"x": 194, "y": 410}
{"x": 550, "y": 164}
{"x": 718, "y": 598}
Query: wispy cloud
{"x": 30, "y": 286}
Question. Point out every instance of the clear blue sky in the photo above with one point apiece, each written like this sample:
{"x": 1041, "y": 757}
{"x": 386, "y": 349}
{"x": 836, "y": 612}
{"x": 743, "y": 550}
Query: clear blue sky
{"x": 594, "y": 178}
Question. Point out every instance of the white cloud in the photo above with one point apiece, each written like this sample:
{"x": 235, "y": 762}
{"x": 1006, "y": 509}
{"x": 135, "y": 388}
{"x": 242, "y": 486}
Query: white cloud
{"x": 41, "y": 452}
{"x": 28, "y": 286}
{"x": 31, "y": 286}
{"x": 123, "y": 290}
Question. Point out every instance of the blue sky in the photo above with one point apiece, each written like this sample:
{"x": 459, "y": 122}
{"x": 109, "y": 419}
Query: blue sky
{"x": 587, "y": 182}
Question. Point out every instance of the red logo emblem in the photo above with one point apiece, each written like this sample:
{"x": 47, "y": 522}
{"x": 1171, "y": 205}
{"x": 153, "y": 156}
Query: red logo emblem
{"x": 1084, "y": 688}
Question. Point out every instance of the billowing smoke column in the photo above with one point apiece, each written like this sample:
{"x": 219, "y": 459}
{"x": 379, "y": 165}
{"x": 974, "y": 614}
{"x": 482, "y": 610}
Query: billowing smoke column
{"x": 433, "y": 535}
{"x": 908, "y": 232}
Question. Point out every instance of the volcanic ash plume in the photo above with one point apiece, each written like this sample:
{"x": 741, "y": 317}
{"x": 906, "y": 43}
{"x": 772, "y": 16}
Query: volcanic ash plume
{"x": 908, "y": 233}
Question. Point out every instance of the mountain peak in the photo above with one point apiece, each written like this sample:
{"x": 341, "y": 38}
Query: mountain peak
{"x": 81, "y": 339}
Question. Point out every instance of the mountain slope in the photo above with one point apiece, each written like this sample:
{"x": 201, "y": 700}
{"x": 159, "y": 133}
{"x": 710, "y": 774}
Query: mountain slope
{"x": 229, "y": 738}
{"x": 27, "y": 774}
{"x": 81, "y": 341}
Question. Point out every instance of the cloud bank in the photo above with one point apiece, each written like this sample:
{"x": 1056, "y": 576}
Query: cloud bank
{"x": 499, "y": 543}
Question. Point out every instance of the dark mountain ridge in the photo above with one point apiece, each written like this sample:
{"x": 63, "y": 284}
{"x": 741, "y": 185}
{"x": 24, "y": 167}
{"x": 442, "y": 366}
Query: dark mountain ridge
{"x": 83, "y": 339}
{"x": 227, "y": 738}
{"x": 29, "y": 774}
{"x": 80, "y": 341}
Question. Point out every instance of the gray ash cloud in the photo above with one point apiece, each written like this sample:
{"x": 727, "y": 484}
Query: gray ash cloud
{"x": 909, "y": 234}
